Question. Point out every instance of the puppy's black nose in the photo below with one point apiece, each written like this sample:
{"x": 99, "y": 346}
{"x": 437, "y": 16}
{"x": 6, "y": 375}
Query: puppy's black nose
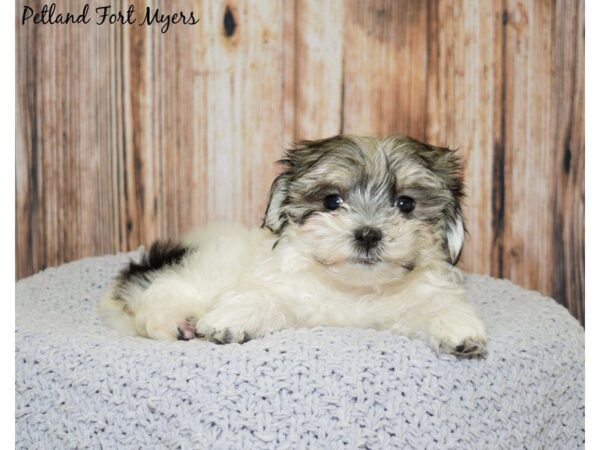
{"x": 368, "y": 237}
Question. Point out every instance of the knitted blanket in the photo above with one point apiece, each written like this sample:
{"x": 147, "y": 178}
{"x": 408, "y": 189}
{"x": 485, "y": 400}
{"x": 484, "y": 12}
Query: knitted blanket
{"x": 81, "y": 385}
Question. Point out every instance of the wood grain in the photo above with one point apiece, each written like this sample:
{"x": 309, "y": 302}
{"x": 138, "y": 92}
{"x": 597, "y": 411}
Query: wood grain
{"x": 316, "y": 63}
{"x": 541, "y": 139}
{"x": 463, "y": 106}
{"x": 126, "y": 134}
{"x": 63, "y": 145}
{"x": 385, "y": 67}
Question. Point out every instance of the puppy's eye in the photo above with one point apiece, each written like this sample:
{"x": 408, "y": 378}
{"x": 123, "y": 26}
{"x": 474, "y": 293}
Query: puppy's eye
{"x": 333, "y": 202}
{"x": 405, "y": 204}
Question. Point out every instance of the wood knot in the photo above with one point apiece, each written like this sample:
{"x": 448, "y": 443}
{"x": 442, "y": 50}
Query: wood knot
{"x": 229, "y": 23}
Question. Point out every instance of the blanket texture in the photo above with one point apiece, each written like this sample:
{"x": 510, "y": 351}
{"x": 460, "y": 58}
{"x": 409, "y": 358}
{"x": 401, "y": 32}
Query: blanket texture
{"x": 81, "y": 385}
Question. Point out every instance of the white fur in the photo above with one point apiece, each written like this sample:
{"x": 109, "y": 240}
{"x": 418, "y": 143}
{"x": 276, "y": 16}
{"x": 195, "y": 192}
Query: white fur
{"x": 456, "y": 239}
{"x": 236, "y": 283}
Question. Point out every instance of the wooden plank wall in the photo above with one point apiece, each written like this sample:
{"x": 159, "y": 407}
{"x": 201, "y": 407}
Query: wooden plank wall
{"x": 126, "y": 134}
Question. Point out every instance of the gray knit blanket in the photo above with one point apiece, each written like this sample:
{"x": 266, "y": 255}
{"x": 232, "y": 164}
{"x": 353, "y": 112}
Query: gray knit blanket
{"x": 81, "y": 385}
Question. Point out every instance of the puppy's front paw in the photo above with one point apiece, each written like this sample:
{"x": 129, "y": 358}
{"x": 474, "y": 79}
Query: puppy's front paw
{"x": 240, "y": 316}
{"x": 221, "y": 335}
{"x": 470, "y": 348}
{"x": 460, "y": 334}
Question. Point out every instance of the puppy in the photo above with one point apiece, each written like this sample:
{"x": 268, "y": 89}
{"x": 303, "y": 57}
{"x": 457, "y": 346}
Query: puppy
{"x": 359, "y": 232}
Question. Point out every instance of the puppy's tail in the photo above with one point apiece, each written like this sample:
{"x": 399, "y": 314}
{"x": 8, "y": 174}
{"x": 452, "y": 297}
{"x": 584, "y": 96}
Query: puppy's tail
{"x": 117, "y": 314}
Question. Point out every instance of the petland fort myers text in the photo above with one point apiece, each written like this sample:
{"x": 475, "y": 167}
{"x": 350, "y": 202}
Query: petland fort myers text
{"x": 48, "y": 14}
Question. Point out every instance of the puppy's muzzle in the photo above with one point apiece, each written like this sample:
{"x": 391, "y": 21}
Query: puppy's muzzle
{"x": 367, "y": 237}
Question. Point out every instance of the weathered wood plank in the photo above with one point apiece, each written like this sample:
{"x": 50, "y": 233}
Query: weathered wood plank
{"x": 385, "y": 67}
{"x": 162, "y": 124}
{"x": 567, "y": 184}
{"x": 62, "y": 178}
{"x": 528, "y": 134}
{"x": 542, "y": 89}
{"x": 314, "y": 82}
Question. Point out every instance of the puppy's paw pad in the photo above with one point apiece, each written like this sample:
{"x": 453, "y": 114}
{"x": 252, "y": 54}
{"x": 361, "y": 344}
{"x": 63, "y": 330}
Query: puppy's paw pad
{"x": 226, "y": 336}
{"x": 185, "y": 331}
{"x": 471, "y": 348}
{"x": 222, "y": 336}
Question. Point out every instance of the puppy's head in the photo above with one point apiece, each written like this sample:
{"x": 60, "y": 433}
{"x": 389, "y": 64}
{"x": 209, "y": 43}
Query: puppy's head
{"x": 360, "y": 205}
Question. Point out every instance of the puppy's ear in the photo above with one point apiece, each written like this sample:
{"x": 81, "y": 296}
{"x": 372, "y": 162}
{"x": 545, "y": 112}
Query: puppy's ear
{"x": 275, "y": 218}
{"x": 296, "y": 160}
{"x": 447, "y": 166}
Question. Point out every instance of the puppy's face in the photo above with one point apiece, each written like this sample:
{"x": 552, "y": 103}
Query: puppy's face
{"x": 367, "y": 208}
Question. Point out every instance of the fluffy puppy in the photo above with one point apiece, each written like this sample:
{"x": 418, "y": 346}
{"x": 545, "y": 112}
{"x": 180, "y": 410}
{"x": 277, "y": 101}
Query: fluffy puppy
{"x": 359, "y": 232}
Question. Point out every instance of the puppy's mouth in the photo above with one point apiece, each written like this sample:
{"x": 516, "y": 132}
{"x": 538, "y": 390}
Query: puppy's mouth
{"x": 365, "y": 260}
